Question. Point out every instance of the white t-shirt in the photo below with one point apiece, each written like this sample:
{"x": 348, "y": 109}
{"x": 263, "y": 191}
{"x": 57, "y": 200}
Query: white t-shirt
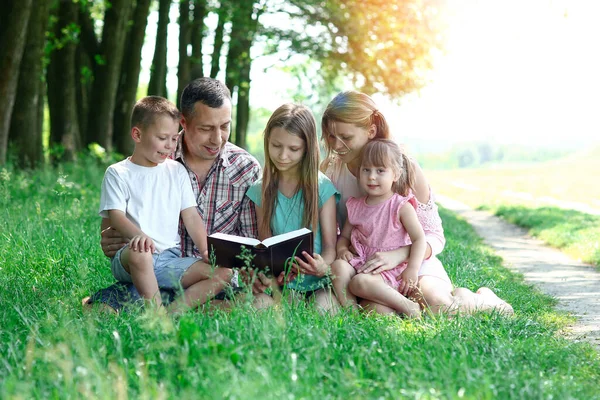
{"x": 151, "y": 197}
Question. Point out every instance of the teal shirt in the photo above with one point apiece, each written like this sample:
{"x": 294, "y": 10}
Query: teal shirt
{"x": 288, "y": 217}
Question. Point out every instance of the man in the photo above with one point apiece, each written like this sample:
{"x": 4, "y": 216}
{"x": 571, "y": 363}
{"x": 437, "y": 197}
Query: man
{"x": 220, "y": 173}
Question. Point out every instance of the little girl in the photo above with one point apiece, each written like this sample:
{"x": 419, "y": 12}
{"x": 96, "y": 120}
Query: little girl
{"x": 293, "y": 194}
{"x": 383, "y": 220}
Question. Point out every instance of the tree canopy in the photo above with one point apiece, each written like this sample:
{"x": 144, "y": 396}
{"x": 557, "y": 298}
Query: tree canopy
{"x": 82, "y": 59}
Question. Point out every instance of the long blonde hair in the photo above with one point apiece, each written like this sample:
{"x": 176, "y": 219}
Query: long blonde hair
{"x": 386, "y": 153}
{"x": 350, "y": 107}
{"x": 299, "y": 121}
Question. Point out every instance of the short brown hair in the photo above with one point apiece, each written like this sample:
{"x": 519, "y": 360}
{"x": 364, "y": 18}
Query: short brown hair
{"x": 148, "y": 108}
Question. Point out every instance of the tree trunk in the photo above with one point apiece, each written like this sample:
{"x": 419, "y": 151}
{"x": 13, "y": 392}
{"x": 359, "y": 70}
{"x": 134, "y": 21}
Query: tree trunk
{"x": 158, "y": 71}
{"x": 13, "y": 34}
{"x": 84, "y": 62}
{"x": 183, "y": 70}
{"x": 130, "y": 74}
{"x": 25, "y": 126}
{"x": 216, "y": 55}
{"x": 65, "y": 136}
{"x": 237, "y": 75}
{"x": 197, "y": 35}
{"x": 106, "y": 77}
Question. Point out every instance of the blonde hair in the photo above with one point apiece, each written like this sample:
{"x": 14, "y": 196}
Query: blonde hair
{"x": 350, "y": 107}
{"x": 386, "y": 153}
{"x": 299, "y": 121}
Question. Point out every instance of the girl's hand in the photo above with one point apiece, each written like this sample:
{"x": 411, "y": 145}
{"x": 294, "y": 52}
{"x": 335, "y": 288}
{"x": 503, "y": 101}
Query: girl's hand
{"x": 384, "y": 260}
{"x": 283, "y": 278}
{"x": 142, "y": 243}
{"x": 345, "y": 255}
{"x": 315, "y": 265}
{"x": 409, "y": 282}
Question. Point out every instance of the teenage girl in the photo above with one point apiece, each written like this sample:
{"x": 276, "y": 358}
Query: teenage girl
{"x": 293, "y": 194}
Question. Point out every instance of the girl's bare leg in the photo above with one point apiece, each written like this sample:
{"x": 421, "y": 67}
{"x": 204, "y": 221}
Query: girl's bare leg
{"x": 342, "y": 273}
{"x": 326, "y": 301}
{"x": 373, "y": 287}
{"x": 371, "y": 306}
{"x": 439, "y": 297}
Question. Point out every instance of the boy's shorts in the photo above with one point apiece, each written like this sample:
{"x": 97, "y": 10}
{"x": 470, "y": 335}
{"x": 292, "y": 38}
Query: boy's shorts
{"x": 169, "y": 267}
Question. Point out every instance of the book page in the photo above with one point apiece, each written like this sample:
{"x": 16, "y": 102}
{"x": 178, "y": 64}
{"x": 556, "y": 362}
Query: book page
{"x": 285, "y": 236}
{"x": 236, "y": 239}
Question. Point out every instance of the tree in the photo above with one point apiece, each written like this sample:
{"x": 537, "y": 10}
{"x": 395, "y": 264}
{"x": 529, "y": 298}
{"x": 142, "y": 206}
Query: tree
{"x": 381, "y": 45}
{"x": 130, "y": 74}
{"x": 61, "y": 75}
{"x": 244, "y": 22}
{"x": 158, "y": 71}
{"x": 223, "y": 16}
{"x": 28, "y": 116}
{"x": 107, "y": 73}
{"x": 13, "y": 34}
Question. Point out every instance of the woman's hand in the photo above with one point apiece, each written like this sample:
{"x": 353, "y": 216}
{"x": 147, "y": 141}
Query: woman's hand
{"x": 111, "y": 241}
{"x": 409, "y": 281}
{"x": 314, "y": 265}
{"x": 384, "y": 260}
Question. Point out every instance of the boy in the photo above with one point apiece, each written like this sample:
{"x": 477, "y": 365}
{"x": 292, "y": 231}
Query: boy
{"x": 144, "y": 196}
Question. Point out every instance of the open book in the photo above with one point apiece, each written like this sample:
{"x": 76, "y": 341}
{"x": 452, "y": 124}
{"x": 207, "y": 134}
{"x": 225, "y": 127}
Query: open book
{"x": 270, "y": 255}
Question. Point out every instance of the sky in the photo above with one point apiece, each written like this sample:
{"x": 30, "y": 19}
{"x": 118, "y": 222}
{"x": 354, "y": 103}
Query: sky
{"x": 512, "y": 72}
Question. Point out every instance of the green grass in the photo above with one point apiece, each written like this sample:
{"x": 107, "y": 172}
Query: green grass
{"x": 521, "y": 194}
{"x": 576, "y": 233}
{"x": 49, "y": 348}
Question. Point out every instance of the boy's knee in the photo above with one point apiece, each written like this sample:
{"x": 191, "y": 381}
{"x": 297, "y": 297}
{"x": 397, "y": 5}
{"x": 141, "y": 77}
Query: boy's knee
{"x": 141, "y": 261}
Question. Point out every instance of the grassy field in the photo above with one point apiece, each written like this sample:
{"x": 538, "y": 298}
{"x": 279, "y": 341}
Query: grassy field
{"x": 49, "y": 348}
{"x": 564, "y": 181}
{"x": 558, "y": 201}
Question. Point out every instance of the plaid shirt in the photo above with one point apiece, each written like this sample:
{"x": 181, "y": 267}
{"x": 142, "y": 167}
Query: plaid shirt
{"x": 222, "y": 201}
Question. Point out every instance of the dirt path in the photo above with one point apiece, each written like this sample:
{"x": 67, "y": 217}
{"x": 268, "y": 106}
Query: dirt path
{"x": 574, "y": 284}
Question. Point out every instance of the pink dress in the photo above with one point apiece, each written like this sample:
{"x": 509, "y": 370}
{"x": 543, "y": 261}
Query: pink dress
{"x": 428, "y": 214}
{"x": 378, "y": 228}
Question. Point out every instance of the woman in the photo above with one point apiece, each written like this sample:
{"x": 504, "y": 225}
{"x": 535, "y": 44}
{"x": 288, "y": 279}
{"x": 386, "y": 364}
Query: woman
{"x": 349, "y": 122}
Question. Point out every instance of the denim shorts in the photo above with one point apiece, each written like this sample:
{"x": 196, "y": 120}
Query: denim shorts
{"x": 169, "y": 267}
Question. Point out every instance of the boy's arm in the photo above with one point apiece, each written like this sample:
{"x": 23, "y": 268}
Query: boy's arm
{"x": 196, "y": 229}
{"x": 120, "y": 222}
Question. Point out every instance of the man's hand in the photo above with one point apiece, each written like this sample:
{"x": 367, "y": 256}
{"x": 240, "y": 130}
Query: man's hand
{"x": 142, "y": 243}
{"x": 384, "y": 260}
{"x": 259, "y": 281}
{"x": 111, "y": 241}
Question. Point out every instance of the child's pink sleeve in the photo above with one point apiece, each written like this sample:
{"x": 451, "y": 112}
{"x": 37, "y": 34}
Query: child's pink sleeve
{"x": 429, "y": 217}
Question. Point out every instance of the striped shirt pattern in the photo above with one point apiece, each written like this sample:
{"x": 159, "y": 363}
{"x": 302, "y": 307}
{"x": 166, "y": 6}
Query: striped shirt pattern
{"x": 222, "y": 201}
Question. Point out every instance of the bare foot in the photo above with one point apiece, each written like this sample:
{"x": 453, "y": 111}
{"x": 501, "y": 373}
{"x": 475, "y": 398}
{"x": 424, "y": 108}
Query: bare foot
{"x": 495, "y": 302}
{"x": 411, "y": 309}
{"x": 101, "y": 307}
